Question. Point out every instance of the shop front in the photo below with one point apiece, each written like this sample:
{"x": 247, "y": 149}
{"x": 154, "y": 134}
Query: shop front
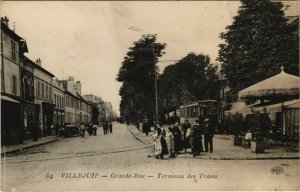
{"x": 47, "y": 116}
{"x": 11, "y": 121}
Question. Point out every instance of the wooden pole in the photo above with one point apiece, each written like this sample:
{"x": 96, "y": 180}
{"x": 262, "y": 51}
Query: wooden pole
{"x": 282, "y": 122}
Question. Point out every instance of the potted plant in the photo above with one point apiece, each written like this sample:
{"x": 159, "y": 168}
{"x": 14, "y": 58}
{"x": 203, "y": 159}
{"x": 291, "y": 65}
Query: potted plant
{"x": 261, "y": 123}
{"x": 257, "y": 144}
{"x": 237, "y": 125}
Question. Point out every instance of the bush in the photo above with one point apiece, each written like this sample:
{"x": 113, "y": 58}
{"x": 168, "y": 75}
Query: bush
{"x": 259, "y": 124}
{"x": 234, "y": 123}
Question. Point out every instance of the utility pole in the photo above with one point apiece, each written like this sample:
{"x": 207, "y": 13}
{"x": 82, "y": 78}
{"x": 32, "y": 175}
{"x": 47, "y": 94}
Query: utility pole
{"x": 136, "y": 29}
{"x": 155, "y": 84}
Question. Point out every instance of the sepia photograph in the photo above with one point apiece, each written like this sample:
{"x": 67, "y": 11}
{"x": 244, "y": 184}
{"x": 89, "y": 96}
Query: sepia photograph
{"x": 150, "y": 95}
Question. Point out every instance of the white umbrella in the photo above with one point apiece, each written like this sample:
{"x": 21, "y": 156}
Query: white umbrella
{"x": 282, "y": 84}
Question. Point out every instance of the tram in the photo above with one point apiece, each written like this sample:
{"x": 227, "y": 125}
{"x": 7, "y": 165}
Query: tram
{"x": 202, "y": 109}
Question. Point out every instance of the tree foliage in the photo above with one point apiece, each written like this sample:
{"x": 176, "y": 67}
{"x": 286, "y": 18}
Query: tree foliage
{"x": 192, "y": 78}
{"x": 137, "y": 75}
{"x": 257, "y": 43}
{"x": 95, "y": 113}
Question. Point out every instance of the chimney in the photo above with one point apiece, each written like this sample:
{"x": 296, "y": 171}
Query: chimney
{"x": 71, "y": 78}
{"x": 70, "y": 84}
{"x": 5, "y": 20}
{"x": 38, "y": 61}
{"x": 78, "y": 87}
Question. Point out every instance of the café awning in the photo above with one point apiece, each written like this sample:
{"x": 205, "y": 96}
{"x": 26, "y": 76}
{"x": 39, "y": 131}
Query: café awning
{"x": 282, "y": 84}
{"x": 271, "y": 108}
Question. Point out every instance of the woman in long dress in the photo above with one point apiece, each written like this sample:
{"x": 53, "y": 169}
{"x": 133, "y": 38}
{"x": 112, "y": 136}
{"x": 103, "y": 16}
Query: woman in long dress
{"x": 197, "y": 140}
{"x": 170, "y": 142}
{"x": 177, "y": 139}
{"x": 160, "y": 146}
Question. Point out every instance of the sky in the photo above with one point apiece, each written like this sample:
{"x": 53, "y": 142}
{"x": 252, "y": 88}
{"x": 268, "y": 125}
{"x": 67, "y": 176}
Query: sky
{"x": 88, "y": 40}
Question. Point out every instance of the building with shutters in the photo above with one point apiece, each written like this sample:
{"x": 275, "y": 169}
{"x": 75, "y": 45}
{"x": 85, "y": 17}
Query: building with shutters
{"x": 11, "y": 106}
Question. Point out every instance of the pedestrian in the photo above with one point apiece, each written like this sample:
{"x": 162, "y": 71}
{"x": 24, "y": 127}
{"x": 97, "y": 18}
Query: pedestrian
{"x": 197, "y": 139}
{"x": 105, "y": 128}
{"x": 160, "y": 145}
{"x": 163, "y": 131}
{"x": 146, "y": 127}
{"x": 57, "y": 129}
{"x": 90, "y": 129}
{"x": 170, "y": 142}
{"x": 110, "y": 126}
{"x": 190, "y": 137}
{"x": 208, "y": 135}
{"x": 95, "y": 129}
{"x": 82, "y": 130}
{"x": 177, "y": 138}
{"x": 248, "y": 138}
{"x": 185, "y": 126}
{"x": 52, "y": 129}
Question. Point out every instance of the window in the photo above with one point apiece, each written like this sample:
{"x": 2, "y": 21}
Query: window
{"x": 14, "y": 85}
{"x": 50, "y": 93}
{"x": 13, "y": 50}
{"x": 43, "y": 90}
{"x": 46, "y": 91}
{"x": 39, "y": 89}
{"x": 213, "y": 110}
{"x": 59, "y": 102}
{"x": 30, "y": 87}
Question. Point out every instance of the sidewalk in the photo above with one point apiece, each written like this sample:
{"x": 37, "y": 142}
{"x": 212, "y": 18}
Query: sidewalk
{"x": 28, "y": 144}
{"x": 225, "y": 150}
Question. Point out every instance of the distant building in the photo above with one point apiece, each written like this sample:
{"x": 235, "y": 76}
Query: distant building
{"x": 108, "y": 111}
{"x": 59, "y": 103}
{"x": 99, "y": 103}
{"x": 77, "y": 109}
{"x": 44, "y": 107}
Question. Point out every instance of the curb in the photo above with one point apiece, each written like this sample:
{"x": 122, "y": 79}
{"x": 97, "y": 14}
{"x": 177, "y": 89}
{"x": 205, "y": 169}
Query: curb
{"x": 244, "y": 158}
{"x": 28, "y": 147}
{"x": 250, "y": 158}
{"x": 138, "y": 138}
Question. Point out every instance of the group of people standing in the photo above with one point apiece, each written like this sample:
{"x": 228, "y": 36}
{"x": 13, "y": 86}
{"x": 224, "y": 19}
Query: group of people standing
{"x": 107, "y": 127}
{"x": 90, "y": 128}
{"x": 173, "y": 141}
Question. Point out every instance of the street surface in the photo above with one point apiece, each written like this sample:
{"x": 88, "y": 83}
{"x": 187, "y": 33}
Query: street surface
{"x": 120, "y": 162}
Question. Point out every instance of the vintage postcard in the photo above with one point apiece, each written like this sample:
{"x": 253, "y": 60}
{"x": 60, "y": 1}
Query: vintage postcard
{"x": 150, "y": 95}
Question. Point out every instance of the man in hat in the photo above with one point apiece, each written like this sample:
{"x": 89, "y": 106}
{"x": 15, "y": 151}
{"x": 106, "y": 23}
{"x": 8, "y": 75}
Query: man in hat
{"x": 146, "y": 126}
{"x": 208, "y": 135}
{"x": 185, "y": 126}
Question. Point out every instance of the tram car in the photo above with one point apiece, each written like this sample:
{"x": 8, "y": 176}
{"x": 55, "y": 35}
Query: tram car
{"x": 200, "y": 110}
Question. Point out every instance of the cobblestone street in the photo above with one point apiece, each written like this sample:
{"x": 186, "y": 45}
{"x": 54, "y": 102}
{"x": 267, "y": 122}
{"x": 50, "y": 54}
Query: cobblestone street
{"x": 111, "y": 159}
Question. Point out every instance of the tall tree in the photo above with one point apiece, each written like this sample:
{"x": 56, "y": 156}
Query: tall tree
{"x": 137, "y": 75}
{"x": 257, "y": 43}
{"x": 192, "y": 78}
